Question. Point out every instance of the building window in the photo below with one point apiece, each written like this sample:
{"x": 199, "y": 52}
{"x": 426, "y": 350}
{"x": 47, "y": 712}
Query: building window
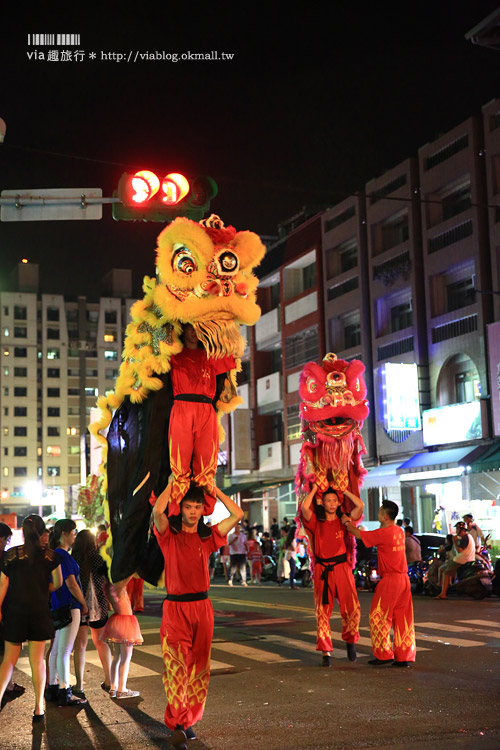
{"x": 110, "y": 354}
{"x": 20, "y": 450}
{"x": 73, "y": 469}
{"x": 20, "y": 313}
{"x": 401, "y": 316}
{"x": 6, "y": 390}
{"x": 110, "y": 316}
{"x": 460, "y": 294}
{"x": 53, "y": 411}
{"x": 20, "y": 332}
{"x": 301, "y": 348}
{"x": 53, "y": 372}
{"x": 20, "y": 411}
{"x": 93, "y": 316}
{"x": 20, "y": 391}
{"x": 20, "y": 431}
{"x": 91, "y": 391}
{"x": 352, "y": 334}
{"x": 20, "y": 372}
{"x": 457, "y": 201}
{"x": 342, "y": 258}
{"x": 20, "y": 471}
{"x": 5, "y": 471}
{"x": 73, "y": 372}
{"x": 110, "y": 374}
{"x": 53, "y": 431}
{"x": 90, "y": 373}
{"x": 292, "y": 422}
{"x": 53, "y": 314}
{"x": 52, "y": 333}
{"x": 73, "y": 450}
{"x": 52, "y": 354}
{"x": 73, "y": 410}
{"x": 53, "y": 450}
{"x": 53, "y": 471}
{"x": 53, "y": 392}
{"x": 73, "y": 391}
{"x": 467, "y": 386}
{"x": 6, "y": 332}
{"x": 20, "y": 351}
{"x": 72, "y": 431}
{"x": 109, "y": 337}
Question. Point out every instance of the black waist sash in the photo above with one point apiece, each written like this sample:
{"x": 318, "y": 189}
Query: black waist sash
{"x": 193, "y": 397}
{"x": 187, "y": 597}
{"x": 328, "y": 565}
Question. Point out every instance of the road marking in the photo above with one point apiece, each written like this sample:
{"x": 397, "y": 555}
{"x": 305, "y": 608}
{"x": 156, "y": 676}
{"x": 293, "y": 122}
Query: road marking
{"x": 363, "y": 641}
{"x": 249, "y": 652}
{"x": 215, "y": 666}
{"x": 482, "y": 624}
{"x": 261, "y": 605}
{"x": 337, "y": 653}
{"x": 458, "y": 629}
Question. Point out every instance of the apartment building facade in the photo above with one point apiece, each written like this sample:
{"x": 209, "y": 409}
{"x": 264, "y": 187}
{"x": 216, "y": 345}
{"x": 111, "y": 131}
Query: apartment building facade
{"x": 406, "y": 286}
{"x": 57, "y": 355}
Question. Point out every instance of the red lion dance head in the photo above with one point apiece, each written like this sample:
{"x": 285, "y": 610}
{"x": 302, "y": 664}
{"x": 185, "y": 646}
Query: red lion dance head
{"x": 333, "y": 410}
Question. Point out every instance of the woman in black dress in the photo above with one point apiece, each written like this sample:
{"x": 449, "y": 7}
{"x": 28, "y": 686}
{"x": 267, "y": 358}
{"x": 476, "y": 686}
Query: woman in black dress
{"x": 94, "y": 580}
{"x": 26, "y": 573}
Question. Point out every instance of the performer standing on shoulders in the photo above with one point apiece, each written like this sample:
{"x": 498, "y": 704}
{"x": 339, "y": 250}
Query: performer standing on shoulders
{"x": 194, "y": 430}
{"x": 188, "y": 618}
{"x": 332, "y": 574}
{"x": 392, "y": 603}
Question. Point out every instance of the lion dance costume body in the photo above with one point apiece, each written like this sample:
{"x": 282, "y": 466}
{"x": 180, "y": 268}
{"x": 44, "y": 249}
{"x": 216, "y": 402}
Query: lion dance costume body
{"x": 203, "y": 277}
{"x": 333, "y": 408}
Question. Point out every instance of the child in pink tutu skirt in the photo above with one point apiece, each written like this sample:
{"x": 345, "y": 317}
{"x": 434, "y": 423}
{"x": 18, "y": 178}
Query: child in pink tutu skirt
{"x": 123, "y": 630}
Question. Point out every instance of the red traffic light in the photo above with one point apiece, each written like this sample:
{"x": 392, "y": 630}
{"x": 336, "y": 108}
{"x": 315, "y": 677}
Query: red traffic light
{"x": 145, "y": 184}
{"x": 175, "y": 187}
{"x": 143, "y": 196}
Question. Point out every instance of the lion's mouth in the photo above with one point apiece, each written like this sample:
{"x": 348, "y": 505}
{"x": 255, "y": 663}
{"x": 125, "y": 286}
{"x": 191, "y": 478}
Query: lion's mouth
{"x": 335, "y": 426}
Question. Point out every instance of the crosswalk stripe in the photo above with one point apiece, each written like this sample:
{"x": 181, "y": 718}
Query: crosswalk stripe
{"x": 250, "y": 652}
{"x": 215, "y": 666}
{"x": 481, "y": 623}
{"x": 337, "y": 653}
{"x": 458, "y": 629}
{"x": 363, "y": 641}
{"x": 260, "y": 605}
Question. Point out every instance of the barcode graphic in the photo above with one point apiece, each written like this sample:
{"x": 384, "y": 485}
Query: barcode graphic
{"x": 44, "y": 40}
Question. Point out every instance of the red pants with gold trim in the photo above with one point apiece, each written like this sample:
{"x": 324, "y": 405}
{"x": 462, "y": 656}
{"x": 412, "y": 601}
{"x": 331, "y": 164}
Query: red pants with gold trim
{"x": 392, "y": 606}
{"x": 193, "y": 438}
{"x": 340, "y": 586}
{"x": 135, "y": 591}
{"x": 186, "y": 638}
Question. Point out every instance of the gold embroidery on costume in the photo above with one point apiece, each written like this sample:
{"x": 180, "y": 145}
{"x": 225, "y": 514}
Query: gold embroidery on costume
{"x": 380, "y": 629}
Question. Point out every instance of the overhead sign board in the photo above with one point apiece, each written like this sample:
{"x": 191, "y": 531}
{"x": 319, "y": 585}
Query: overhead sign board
{"x": 402, "y": 406}
{"x": 452, "y": 424}
{"x": 51, "y": 204}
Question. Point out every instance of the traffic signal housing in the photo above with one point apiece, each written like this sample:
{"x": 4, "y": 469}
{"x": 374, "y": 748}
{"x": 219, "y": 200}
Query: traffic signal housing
{"x": 144, "y": 196}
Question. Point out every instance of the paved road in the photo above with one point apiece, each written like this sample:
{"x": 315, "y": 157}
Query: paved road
{"x": 268, "y": 691}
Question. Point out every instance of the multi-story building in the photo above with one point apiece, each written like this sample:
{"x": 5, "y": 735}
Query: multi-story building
{"x": 409, "y": 287}
{"x": 57, "y": 355}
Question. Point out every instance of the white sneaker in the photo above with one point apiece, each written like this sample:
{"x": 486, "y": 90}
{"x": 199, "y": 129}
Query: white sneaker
{"x": 229, "y": 583}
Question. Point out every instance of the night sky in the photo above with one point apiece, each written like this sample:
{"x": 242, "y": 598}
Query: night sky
{"x": 313, "y": 104}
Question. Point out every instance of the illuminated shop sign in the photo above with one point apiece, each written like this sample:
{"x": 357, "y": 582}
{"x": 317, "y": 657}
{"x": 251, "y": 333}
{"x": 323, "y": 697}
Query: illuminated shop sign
{"x": 402, "y": 407}
{"x": 452, "y": 424}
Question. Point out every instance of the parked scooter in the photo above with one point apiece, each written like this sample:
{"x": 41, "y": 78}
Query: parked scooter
{"x": 417, "y": 573}
{"x": 472, "y": 579}
{"x": 269, "y": 568}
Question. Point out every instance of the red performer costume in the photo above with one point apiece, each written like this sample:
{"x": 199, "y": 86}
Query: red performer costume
{"x": 135, "y": 591}
{"x": 392, "y": 603}
{"x": 193, "y": 431}
{"x": 333, "y": 579}
{"x": 187, "y": 624}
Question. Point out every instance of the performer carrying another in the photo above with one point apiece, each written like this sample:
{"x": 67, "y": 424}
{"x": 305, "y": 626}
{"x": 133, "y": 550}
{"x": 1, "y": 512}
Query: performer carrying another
{"x": 332, "y": 574}
{"x": 194, "y": 431}
{"x": 391, "y": 603}
{"x": 188, "y": 618}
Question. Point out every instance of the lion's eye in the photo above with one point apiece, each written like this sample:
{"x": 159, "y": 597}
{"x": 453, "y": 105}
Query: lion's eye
{"x": 183, "y": 260}
{"x": 311, "y": 385}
